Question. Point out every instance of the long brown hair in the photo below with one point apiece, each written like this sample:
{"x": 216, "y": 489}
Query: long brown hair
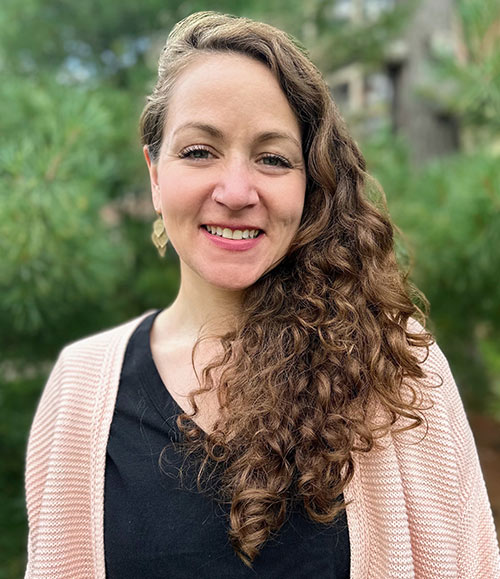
{"x": 322, "y": 343}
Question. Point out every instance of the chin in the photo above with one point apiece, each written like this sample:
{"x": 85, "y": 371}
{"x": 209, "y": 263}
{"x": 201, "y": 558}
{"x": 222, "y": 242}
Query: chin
{"x": 232, "y": 281}
{"x": 232, "y": 285}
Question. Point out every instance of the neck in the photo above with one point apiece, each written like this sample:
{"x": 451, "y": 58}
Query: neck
{"x": 201, "y": 309}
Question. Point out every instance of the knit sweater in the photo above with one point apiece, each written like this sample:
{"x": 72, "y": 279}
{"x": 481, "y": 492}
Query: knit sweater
{"x": 417, "y": 504}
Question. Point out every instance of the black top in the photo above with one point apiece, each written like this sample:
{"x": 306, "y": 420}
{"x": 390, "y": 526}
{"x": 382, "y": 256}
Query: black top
{"x": 155, "y": 526}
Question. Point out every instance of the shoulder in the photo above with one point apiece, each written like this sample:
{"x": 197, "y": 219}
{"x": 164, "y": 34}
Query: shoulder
{"x": 80, "y": 387}
{"x": 443, "y": 446}
{"x": 85, "y": 368}
{"x": 437, "y": 391}
{"x": 106, "y": 342}
{"x": 439, "y": 466}
{"x": 438, "y": 381}
{"x": 67, "y": 442}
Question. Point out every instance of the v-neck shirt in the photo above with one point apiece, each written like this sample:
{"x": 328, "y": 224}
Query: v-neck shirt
{"x": 159, "y": 525}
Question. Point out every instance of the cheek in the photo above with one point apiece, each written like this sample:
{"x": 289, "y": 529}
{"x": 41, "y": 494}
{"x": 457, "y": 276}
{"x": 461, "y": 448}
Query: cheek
{"x": 300, "y": 206}
{"x": 183, "y": 193}
{"x": 288, "y": 201}
{"x": 177, "y": 204}
{"x": 297, "y": 206}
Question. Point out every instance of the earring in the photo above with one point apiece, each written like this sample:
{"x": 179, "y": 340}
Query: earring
{"x": 159, "y": 236}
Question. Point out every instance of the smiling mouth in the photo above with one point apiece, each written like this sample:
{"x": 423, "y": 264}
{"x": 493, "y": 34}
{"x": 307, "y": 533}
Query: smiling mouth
{"x": 227, "y": 233}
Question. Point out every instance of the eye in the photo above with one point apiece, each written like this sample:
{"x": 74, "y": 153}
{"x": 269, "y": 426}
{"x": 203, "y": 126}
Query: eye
{"x": 275, "y": 161}
{"x": 196, "y": 152}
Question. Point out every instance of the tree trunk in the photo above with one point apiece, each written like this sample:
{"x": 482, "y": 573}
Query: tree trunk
{"x": 429, "y": 131}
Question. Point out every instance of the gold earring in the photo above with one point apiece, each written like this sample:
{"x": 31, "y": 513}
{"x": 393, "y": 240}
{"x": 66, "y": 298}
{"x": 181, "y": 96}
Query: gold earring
{"x": 159, "y": 236}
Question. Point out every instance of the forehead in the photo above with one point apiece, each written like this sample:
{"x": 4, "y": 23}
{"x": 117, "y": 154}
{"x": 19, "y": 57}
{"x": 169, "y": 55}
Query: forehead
{"x": 229, "y": 87}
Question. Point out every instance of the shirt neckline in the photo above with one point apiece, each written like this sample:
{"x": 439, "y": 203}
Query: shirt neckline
{"x": 151, "y": 380}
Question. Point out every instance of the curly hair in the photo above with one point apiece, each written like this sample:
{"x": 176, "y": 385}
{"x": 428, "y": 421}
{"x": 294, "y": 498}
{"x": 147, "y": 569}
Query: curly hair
{"x": 322, "y": 348}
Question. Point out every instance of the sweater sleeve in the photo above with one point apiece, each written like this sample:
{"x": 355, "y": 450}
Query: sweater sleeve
{"x": 66, "y": 457}
{"x": 38, "y": 451}
{"x": 478, "y": 554}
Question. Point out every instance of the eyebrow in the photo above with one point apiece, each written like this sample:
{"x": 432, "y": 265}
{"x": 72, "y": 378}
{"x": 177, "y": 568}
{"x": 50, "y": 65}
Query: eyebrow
{"x": 210, "y": 129}
{"x": 276, "y": 135}
{"x": 218, "y": 134}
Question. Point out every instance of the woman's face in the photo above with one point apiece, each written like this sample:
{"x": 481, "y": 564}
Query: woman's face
{"x": 230, "y": 178}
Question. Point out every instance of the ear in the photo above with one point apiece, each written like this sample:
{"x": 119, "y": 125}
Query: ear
{"x": 153, "y": 177}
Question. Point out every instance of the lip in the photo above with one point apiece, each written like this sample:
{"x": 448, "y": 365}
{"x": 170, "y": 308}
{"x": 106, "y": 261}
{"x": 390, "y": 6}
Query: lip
{"x": 233, "y": 226}
{"x": 232, "y": 244}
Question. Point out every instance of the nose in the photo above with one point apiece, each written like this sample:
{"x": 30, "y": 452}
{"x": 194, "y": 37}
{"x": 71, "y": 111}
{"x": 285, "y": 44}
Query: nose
{"x": 235, "y": 187}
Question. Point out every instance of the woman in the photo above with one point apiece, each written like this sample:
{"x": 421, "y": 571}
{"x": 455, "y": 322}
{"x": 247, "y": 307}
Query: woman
{"x": 286, "y": 415}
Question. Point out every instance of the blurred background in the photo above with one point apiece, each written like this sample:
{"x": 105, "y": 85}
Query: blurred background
{"x": 419, "y": 84}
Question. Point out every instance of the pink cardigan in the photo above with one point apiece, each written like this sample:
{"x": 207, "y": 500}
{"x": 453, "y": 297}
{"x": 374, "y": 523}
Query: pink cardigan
{"x": 419, "y": 507}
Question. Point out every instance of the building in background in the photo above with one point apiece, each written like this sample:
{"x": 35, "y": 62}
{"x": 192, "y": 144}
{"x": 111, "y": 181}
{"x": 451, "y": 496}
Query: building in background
{"x": 395, "y": 94}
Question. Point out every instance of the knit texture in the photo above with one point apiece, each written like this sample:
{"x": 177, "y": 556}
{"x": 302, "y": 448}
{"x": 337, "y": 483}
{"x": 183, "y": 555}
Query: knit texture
{"x": 417, "y": 508}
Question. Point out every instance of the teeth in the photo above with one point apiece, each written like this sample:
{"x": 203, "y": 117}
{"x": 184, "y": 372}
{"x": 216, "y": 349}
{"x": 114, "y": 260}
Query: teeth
{"x": 232, "y": 234}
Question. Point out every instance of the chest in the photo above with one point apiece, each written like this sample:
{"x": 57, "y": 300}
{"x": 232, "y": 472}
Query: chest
{"x": 157, "y": 524}
{"x": 180, "y": 379}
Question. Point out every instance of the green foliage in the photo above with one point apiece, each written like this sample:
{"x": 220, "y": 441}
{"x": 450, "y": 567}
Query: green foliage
{"x": 449, "y": 212}
{"x": 152, "y": 281}
{"x": 17, "y": 404}
{"x": 490, "y": 351}
{"x": 74, "y": 75}
{"x": 59, "y": 258}
{"x": 458, "y": 248}
{"x": 366, "y": 41}
{"x": 467, "y": 80}
{"x": 450, "y": 209}
{"x": 90, "y": 39}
